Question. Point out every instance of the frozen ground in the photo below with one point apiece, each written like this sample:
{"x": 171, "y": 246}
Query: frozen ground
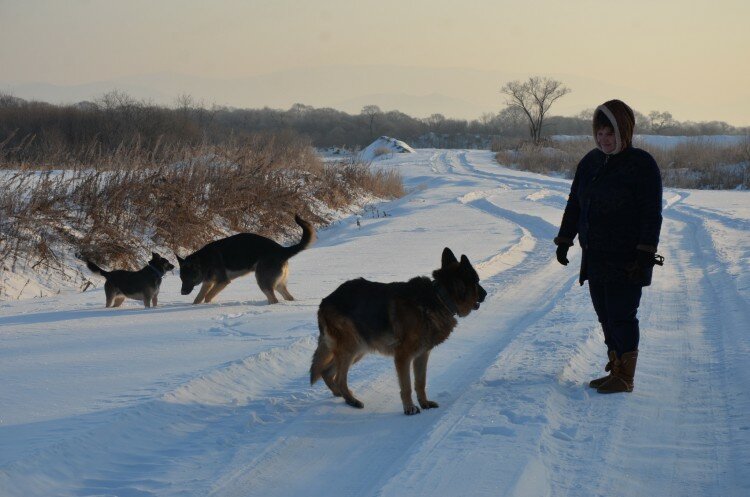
{"x": 214, "y": 400}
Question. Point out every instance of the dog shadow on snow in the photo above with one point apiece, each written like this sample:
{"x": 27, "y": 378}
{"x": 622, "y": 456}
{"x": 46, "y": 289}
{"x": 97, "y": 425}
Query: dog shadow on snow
{"x": 102, "y": 312}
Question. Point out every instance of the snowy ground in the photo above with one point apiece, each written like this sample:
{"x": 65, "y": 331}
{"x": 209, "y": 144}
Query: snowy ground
{"x": 187, "y": 400}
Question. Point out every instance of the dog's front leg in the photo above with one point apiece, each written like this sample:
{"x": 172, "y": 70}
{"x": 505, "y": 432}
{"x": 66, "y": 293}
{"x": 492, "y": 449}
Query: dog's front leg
{"x": 402, "y": 362}
{"x": 420, "y": 380}
{"x": 205, "y": 287}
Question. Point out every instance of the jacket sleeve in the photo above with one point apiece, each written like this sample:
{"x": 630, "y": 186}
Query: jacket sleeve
{"x": 649, "y": 200}
{"x": 569, "y": 224}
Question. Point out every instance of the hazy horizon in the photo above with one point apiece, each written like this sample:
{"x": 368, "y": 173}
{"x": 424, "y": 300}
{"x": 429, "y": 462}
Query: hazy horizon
{"x": 335, "y": 53}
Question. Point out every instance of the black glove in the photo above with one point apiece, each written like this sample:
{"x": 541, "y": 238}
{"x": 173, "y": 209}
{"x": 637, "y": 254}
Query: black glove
{"x": 645, "y": 260}
{"x": 562, "y": 254}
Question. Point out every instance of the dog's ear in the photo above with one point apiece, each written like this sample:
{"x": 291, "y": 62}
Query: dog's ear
{"x": 465, "y": 261}
{"x": 155, "y": 256}
{"x": 448, "y": 257}
{"x": 180, "y": 260}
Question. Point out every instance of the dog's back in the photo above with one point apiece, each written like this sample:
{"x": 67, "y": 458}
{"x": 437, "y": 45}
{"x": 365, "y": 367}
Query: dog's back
{"x": 369, "y": 305}
{"x": 238, "y": 252}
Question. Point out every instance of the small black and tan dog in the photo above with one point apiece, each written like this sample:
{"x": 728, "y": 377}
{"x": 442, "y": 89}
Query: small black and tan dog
{"x": 221, "y": 261}
{"x": 403, "y": 319}
{"x": 140, "y": 285}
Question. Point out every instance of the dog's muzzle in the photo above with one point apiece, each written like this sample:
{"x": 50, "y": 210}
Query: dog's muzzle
{"x": 482, "y": 295}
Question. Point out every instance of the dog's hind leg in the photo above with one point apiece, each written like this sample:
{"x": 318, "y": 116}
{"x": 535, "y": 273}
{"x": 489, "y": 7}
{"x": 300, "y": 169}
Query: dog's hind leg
{"x": 214, "y": 291}
{"x": 118, "y": 301}
{"x": 205, "y": 287}
{"x": 154, "y": 301}
{"x": 323, "y": 366}
{"x": 343, "y": 363}
{"x": 109, "y": 292}
{"x": 284, "y": 292}
{"x": 329, "y": 377}
{"x": 267, "y": 274}
{"x": 323, "y": 361}
{"x": 281, "y": 282}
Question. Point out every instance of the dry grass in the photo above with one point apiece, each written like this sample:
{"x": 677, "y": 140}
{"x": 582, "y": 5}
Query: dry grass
{"x": 697, "y": 163}
{"x": 118, "y": 209}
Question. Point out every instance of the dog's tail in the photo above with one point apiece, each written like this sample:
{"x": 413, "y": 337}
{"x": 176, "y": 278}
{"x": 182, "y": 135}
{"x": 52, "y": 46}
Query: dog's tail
{"x": 323, "y": 356}
{"x": 96, "y": 269}
{"x": 308, "y": 237}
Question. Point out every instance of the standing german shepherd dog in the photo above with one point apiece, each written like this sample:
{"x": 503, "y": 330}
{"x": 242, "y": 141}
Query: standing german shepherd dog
{"x": 402, "y": 319}
{"x": 140, "y": 285}
{"x": 221, "y": 261}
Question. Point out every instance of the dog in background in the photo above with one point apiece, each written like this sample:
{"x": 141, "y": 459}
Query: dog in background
{"x": 403, "y": 319}
{"x": 221, "y": 261}
{"x": 140, "y": 285}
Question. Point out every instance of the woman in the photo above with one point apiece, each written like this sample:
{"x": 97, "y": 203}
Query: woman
{"x": 614, "y": 207}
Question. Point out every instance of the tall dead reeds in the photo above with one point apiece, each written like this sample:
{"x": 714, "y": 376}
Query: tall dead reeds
{"x": 698, "y": 163}
{"x": 116, "y": 208}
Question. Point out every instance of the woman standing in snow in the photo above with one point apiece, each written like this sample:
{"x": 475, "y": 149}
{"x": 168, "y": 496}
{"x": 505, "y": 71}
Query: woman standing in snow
{"x": 614, "y": 207}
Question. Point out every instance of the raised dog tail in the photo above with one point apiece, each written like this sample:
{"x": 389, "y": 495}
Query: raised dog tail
{"x": 308, "y": 237}
{"x": 323, "y": 357}
{"x": 96, "y": 269}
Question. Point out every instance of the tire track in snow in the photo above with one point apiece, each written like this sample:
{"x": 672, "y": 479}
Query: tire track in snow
{"x": 394, "y": 437}
{"x": 578, "y": 427}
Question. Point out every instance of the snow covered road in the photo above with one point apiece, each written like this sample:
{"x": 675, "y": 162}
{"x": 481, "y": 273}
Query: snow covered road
{"x": 215, "y": 399}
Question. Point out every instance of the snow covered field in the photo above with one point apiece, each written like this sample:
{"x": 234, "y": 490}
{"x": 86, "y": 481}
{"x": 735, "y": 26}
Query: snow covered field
{"x": 214, "y": 400}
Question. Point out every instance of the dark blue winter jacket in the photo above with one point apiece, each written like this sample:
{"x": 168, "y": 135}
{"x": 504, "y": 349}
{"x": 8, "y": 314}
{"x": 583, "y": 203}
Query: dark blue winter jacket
{"x": 614, "y": 207}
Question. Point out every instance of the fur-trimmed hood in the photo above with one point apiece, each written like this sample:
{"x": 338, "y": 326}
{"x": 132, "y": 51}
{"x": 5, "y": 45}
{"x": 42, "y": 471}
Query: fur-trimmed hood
{"x": 623, "y": 120}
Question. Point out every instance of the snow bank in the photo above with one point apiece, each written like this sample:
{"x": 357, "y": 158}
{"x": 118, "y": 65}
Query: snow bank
{"x": 384, "y": 146}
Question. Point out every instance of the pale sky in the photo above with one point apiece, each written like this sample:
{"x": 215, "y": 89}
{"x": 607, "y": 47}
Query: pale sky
{"x": 694, "y": 56}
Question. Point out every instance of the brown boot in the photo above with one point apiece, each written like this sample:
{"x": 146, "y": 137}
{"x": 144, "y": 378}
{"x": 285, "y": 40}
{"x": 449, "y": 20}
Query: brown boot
{"x": 623, "y": 372}
{"x": 600, "y": 381}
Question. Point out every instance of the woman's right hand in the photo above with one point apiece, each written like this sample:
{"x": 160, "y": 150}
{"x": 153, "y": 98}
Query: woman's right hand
{"x": 562, "y": 254}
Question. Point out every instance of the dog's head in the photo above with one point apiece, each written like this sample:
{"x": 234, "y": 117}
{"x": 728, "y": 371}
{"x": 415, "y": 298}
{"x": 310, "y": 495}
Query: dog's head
{"x": 160, "y": 263}
{"x": 191, "y": 273}
{"x": 461, "y": 282}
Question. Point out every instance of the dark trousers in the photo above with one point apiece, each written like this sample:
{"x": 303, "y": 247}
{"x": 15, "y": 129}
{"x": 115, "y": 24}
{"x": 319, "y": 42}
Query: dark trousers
{"x": 616, "y": 306}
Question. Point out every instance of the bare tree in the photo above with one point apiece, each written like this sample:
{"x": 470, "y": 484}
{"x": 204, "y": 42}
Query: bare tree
{"x": 660, "y": 121}
{"x": 435, "y": 122}
{"x": 534, "y": 98}
{"x": 370, "y": 111}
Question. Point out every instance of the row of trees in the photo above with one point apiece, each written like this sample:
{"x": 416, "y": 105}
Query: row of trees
{"x": 116, "y": 118}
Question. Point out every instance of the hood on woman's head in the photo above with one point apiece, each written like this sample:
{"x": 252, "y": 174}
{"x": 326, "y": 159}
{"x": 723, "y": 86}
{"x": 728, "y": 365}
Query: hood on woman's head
{"x": 622, "y": 119}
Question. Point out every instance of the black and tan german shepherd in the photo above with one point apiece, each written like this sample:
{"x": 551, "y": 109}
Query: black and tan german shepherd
{"x": 140, "y": 285}
{"x": 221, "y": 261}
{"x": 403, "y": 319}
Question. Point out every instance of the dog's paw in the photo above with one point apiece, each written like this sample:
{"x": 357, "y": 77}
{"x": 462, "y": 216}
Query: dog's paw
{"x": 428, "y": 404}
{"x": 355, "y": 403}
{"x": 411, "y": 410}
